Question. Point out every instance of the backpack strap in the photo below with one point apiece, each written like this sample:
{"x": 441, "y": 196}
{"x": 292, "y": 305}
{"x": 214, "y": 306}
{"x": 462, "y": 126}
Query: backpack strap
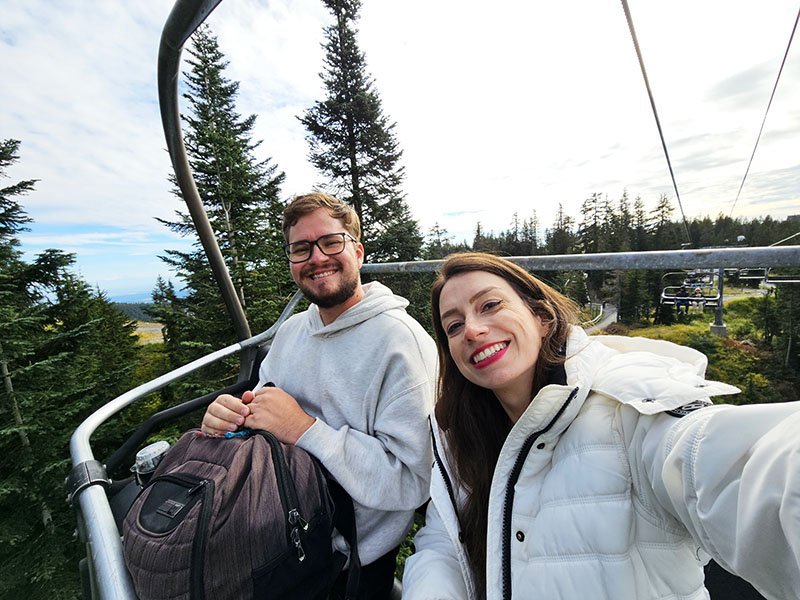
{"x": 344, "y": 519}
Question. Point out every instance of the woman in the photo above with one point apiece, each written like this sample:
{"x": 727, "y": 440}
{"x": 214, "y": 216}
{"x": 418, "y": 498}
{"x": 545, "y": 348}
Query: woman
{"x": 570, "y": 467}
{"x": 699, "y": 299}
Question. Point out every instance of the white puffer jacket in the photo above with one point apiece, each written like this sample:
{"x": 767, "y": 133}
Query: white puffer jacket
{"x": 613, "y": 487}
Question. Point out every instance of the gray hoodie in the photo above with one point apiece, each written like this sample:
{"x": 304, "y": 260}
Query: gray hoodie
{"x": 369, "y": 380}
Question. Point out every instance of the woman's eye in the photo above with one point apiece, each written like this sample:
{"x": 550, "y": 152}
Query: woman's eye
{"x": 453, "y": 328}
{"x": 491, "y": 304}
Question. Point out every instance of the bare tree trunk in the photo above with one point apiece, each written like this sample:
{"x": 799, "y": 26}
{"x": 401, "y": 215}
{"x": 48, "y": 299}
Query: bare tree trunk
{"x": 230, "y": 233}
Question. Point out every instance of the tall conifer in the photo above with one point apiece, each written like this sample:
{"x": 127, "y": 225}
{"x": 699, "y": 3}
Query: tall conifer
{"x": 353, "y": 144}
{"x": 64, "y": 351}
{"x": 561, "y": 238}
{"x": 241, "y": 197}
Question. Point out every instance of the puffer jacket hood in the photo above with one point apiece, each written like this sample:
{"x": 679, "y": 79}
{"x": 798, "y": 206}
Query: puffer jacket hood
{"x": 666, "y": 376}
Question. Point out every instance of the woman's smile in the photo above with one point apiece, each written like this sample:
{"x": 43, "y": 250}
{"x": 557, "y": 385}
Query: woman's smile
{"x": 488, "y": 354}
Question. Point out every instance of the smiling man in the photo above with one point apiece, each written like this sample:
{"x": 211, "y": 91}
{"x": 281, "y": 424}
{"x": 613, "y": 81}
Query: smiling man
{"x": 354, "y": 380}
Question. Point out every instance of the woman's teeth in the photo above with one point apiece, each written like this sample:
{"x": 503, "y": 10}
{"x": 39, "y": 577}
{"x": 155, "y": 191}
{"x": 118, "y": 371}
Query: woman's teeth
{"x": 487, "y": 352}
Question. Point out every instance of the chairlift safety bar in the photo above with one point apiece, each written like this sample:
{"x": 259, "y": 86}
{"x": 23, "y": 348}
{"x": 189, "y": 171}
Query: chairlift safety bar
{"x": 707, "y": 258}
{"x": 102, "y": 537}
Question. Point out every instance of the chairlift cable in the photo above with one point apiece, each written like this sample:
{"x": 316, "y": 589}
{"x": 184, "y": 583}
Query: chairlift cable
{"x": 766, "y": 112}
{"x": 655, "y": 114}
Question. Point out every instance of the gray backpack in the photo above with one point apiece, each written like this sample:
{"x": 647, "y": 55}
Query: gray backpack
{"x": 240, "y": 517}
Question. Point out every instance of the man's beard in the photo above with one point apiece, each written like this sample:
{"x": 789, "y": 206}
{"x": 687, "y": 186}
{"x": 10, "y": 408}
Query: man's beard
{"x": 344, "y": 293}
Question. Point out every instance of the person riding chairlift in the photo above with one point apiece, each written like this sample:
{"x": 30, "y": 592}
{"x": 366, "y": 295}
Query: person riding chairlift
{"x": 699, "y": 300}
{"x": 682, "y": 300}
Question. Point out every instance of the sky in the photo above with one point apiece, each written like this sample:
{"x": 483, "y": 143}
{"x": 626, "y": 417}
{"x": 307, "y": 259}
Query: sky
{"x": 501, "y": 108}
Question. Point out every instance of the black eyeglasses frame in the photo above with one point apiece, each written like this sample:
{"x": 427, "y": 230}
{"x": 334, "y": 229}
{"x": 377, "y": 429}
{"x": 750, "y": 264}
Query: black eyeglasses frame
{"x": 312, "y": 243}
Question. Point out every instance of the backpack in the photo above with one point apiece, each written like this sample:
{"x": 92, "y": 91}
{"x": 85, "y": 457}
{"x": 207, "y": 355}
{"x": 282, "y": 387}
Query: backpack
{"x": 238, "y": 517}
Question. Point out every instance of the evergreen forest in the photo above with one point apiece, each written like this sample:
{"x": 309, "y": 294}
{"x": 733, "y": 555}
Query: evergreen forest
{"x": 66, "y": 349}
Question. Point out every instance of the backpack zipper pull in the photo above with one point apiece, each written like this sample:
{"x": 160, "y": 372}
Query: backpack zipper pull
{"x": 295, "y": 518}
{"x": 301, "y": 554}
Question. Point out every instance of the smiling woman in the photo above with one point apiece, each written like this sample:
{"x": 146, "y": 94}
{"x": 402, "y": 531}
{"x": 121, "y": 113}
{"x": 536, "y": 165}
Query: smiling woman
{"x": 576, "y": 467}
{"x": 494, "y": 336}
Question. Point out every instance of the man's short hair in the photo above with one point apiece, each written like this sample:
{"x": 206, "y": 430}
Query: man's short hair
{"x": 306, "y": 204}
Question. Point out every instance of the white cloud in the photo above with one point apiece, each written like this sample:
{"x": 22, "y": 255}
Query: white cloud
{"x": 507, "y": 108}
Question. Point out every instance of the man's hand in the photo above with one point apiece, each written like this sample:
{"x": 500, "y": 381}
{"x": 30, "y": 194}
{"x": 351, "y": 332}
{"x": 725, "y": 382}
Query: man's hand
{"x": 276, "y": 411}
{"x": 226, "y": 413}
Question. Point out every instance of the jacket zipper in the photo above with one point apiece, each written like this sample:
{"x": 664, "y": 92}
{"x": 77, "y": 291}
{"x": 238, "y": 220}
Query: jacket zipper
{"x": 447, "y": 483}
{"x": 288, "y": 495}
{"x": 509, "y": 499}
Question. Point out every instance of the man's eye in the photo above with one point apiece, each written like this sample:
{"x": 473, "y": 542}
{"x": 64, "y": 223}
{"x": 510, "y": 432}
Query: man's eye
{"x": 298, "y": 249}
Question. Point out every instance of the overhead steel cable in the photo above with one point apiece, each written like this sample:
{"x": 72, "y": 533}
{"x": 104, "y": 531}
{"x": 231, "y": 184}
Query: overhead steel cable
{"x": 766, "y": 112}
{"x": 655, "y": 114}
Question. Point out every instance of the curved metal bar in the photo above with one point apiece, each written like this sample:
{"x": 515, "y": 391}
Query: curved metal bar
{"x": 262, "y": 340}
{"x": 102, "y": 537}
{"x": 79, "y": 446}
{"x": 98, "y": 524}
{"x": 185, "y": 18}
{"x": 103, "y": 544}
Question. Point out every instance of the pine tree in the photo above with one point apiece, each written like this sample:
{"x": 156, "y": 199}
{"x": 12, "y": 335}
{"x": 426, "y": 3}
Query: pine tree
{"x": 702, "y": 232}
{"x": 619, "y": 223}
{"x": 561, "y": 238}
{"x": 788, "y": 315}
{"x": 64, "y": 351}
{"x": 353, "y": 144}
{"x": 511, "y": 239}
{"x": 480, "y": 241}
{"x": 241, "y": 197}
{"x": 19, "y": 330}
{"x": 632, "y": 301}
{"x": 639, "y": 239}
{"x": 664, "y": 233}
{"x": 437, "y": 243}
{"x": 530, "y": 235}
{"x": 592, "y": 234}
{"x": 12, "y": 217}
{"x": 727, "y": 229}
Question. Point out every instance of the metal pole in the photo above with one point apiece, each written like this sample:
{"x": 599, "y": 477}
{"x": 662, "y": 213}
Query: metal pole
{"x": 185, "y": 18}
{"x": 718, "y": 327}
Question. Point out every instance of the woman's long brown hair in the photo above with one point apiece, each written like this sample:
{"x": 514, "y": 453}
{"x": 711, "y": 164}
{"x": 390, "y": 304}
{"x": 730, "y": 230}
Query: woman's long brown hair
{"x": 472, "y": 419}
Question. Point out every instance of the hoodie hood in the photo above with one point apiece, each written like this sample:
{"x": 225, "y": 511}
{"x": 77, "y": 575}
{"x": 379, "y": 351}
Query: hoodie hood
{"x": 377, "y": 299}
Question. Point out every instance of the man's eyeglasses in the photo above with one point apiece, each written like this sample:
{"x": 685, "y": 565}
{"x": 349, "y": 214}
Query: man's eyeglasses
{"x": 329, "y": 245}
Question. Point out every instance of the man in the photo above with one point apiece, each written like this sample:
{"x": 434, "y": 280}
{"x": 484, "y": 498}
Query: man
{"x": 354, "y": 380}
{"x": 682, "y": 300}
